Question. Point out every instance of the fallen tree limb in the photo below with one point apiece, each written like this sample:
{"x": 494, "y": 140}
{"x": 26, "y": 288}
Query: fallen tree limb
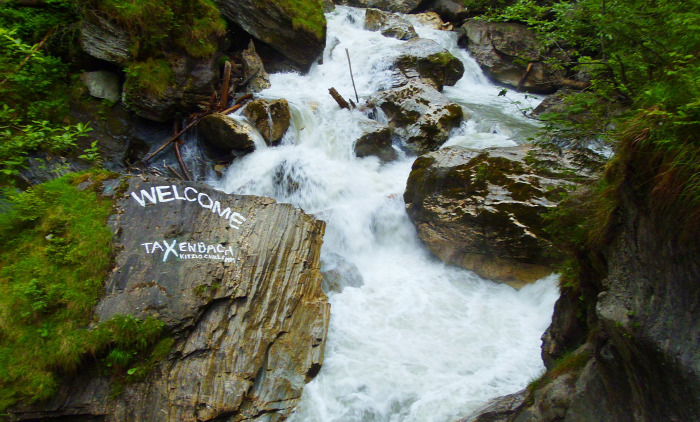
{"x": 174, "y": 137}
{"x": 339, "y": 98}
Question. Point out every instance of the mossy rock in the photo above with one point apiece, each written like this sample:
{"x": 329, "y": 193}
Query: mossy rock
{"x": 430, "y": 61}
{"x": 270, "y": 117}
{"x": 482, "y": 210}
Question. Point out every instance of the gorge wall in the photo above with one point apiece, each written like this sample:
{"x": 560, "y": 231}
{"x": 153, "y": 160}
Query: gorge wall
{"x": 623, "y": 345}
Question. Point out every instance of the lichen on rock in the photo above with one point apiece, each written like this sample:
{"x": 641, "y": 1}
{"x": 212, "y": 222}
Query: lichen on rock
{"x": 482, "y": 210}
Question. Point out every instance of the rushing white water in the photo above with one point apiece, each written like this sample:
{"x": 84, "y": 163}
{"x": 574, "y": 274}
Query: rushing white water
{"x": 419, "y": 341}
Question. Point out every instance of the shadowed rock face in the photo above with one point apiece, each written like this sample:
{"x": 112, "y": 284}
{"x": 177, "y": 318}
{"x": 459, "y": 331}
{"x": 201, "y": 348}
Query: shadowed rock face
{"x": 401, "y": 6}
{"x": 268, "y": 22}
{"x": 482, "y": 210}
{"x": 504, "y": 50}
{"x": 238, "y": 286}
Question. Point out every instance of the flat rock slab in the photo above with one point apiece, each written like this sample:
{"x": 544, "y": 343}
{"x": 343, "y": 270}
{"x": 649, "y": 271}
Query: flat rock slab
{"x": 236, "y": 280}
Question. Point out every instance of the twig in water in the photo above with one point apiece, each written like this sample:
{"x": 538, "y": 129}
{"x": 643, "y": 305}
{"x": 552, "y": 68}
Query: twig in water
{"x": 347, "y": 53}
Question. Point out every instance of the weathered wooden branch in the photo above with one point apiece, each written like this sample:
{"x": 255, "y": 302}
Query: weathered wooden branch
{"x": 338, "y": 98}
{"x": 174, "y": 137}
{"x": 223, "y": 102}
{"x": 347, "y": 53}
{"x": 525, "y": 75}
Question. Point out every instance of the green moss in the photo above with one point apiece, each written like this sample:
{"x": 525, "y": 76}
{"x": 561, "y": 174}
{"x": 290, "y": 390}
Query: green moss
{"x": 193, "y": 25}
{"x": 55, "y": 251}
{"x": 306, "y": 14}
{"x": 155, "y": 76}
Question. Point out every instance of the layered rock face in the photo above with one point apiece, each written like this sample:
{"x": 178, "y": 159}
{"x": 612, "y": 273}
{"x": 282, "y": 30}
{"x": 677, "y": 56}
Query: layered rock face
{"x": 510, "y": 54}
{"x": 236, "y": 281}
{"x": 482, "y": 210}
{"x": 633, "y": 355}
{"x": 270, "y": 23}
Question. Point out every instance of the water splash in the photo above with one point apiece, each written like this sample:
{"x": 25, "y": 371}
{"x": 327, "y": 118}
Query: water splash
{"x": 419, "y": 341}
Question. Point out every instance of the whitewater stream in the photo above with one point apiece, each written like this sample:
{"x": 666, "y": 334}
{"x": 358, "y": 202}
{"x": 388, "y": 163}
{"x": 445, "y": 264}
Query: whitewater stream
{"x": 419, "y": 340}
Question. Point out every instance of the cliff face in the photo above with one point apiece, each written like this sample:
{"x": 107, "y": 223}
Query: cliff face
{"x": 627, "y": 348}
{"x": 236, "y": 281}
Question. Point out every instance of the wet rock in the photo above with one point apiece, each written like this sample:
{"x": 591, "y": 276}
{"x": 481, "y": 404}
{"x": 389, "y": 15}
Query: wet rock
{"x": 389, "y": 24}
{"x": 432, "y": 20}
{"x": 226, "y": 134}
{"x": 505, "y": 49}
{"x": 268, "y": 21}
{"x": 102, "y": 84}
{"x": 104, "y": 40}
{"x": 400, "y": 6}
{"x": 245, "y": 310}
{"x": 375, "y": 141}
{"x": 270, "y": 117}
{"x": 448, "y": 10}
{"x": 339, "y": 273}
{"x": 420, "y": 115}
{"x": 253, "y": 70}
{"x": 424, "y": 59}
{"x": 482, "y": 210}
{"x": 499, "y": 409}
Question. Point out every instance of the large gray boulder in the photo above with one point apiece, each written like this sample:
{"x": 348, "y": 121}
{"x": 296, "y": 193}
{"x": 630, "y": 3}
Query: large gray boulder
{"x": 236, "y": 281}
{"x": 482, "y": 210}
{"x": 102, "y": 84}
{"x": 389, "y": 24}
{"x": 420, "y": 115}
{"x": 421, "y": 58}
{"x": 504, "y": 50}
{"x": 272, "y": 23}
{"x": 400, "y": 6}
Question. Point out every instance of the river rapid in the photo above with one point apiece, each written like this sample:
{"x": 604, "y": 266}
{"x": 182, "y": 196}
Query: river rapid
{"x": 419, "y": 340}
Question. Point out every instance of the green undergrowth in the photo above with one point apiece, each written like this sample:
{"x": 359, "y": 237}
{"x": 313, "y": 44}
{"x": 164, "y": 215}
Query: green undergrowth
{"x": 55, "y": 251}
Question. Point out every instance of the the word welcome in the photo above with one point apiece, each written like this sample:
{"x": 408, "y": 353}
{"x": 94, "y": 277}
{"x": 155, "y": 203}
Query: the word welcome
{"x": 190, "y": 194}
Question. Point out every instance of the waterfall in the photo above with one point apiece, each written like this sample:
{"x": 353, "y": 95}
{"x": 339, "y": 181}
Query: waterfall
{"x": 419, "y": 340}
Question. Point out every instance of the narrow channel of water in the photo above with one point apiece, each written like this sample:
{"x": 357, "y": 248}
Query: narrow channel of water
{"x": 419, "y": 341}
